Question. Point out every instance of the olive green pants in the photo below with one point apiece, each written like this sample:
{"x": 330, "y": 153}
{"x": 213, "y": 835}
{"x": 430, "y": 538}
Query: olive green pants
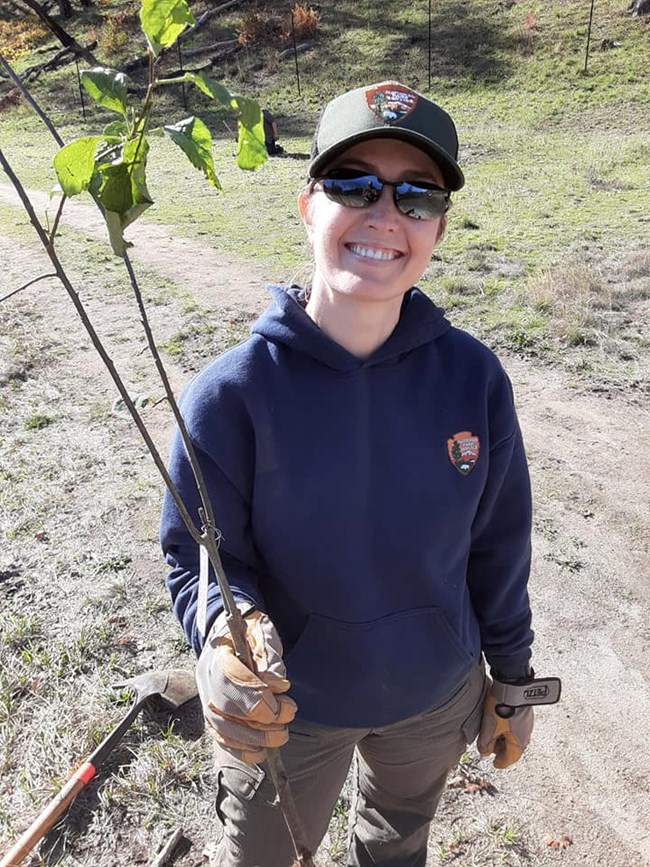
{"x": 400, "y": 774}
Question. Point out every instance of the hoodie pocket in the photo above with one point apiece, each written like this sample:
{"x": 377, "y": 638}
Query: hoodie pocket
{"x": 374, "y": 673}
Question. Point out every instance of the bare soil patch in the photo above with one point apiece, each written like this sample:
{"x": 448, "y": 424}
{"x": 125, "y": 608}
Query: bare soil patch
{"x": 82, "y": 600}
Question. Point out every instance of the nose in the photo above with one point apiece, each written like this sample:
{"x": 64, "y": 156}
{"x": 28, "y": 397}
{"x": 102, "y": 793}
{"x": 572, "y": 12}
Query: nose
{"x": 384, "y": 211}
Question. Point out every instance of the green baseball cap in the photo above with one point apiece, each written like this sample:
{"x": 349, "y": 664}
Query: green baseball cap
{"x": 387, "y": 110}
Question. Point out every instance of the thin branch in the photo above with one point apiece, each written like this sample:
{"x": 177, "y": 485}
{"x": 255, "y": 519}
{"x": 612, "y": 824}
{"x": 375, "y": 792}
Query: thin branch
{"x": 62, "y": 35}
{"x": 19, "y": 84}
{"x": 289, "y": 52}
{"x": 209, "y": 537}
{"x": 187, "y": 34}
{"x": 27, "y": 285}
{"x": 204, "y": 49}
{"x": 57, "y": 220}
{"x": 48, "y": 244}
{"x": 164, "y": 856}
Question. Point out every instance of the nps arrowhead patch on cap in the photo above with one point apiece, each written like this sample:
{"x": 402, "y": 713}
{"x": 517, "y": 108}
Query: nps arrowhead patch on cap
{"x": 391, "y": 102}
{"x": 463, "y": 449}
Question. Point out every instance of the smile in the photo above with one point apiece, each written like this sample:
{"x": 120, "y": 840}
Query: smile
{"x": 370, "y": 253}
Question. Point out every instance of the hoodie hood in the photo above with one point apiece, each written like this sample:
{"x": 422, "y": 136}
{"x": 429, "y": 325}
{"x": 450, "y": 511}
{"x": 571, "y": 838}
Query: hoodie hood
{"x": 286, "y": 322}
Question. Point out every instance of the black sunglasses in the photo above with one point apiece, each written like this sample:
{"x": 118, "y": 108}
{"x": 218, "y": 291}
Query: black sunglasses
{"x": 352, "y": 188}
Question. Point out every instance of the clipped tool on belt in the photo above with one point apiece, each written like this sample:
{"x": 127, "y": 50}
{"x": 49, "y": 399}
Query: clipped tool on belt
{"x": 537, "y": 690}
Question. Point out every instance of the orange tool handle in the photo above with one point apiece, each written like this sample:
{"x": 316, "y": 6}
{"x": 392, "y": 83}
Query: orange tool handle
{"x": 48, "y": 816}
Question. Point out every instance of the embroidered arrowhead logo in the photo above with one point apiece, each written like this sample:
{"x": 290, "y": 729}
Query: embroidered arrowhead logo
{"x": 390, "y": 102}
{"x": 463, "y": 449}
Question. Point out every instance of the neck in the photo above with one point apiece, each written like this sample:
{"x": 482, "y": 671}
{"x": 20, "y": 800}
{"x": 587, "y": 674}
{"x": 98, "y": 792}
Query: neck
{"x": 360, "y": 326}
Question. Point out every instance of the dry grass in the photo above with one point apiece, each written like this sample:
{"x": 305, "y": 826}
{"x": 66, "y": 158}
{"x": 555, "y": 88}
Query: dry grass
{"x": 569, "y": 294}
{"x": 637, "y": 265}
{"x": 272, "y": 28}
{"x": 20, "y": 36}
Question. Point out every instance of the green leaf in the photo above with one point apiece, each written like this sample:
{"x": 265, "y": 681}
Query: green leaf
{"x": 163, "y": 21}
{"x": 251, "y": 151}
{"x": 115, "y": 131}
{"x": 121, "y": 188}
{"x": 212, "y": 88}
{"x": 74, "y": 164}
{"x": 115, "y": 233}
{"x": 193, "y": 137}
{"x": 106, "y": 87}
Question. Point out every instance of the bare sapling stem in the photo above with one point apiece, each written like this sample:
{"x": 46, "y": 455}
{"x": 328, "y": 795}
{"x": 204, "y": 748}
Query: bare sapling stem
{"x": 97, "y": 343}
{"x": 208, "y": 536}
{"x": 169, "y": 393}
{"x": 277, "y": 770}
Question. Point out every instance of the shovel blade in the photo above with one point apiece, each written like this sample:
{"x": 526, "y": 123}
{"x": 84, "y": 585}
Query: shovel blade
{"x": 175, "y": 686}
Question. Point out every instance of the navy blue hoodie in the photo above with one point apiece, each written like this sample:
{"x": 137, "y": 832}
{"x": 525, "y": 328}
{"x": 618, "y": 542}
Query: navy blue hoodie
{"x": 377, "y": 509}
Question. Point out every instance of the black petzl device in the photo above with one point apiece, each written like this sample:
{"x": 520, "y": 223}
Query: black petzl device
{"x": 540, "y": 690}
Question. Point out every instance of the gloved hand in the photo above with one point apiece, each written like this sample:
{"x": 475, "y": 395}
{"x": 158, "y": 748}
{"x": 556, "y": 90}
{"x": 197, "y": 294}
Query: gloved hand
{"x": 507, "y": 738}
{"x": 245, "y": 710}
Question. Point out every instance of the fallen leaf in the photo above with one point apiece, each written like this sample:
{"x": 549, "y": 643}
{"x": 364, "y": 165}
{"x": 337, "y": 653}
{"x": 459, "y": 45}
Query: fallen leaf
{"x": 563, "y": 842}
{"x": 118, "y": 620}
{"x": 476, "y": 785}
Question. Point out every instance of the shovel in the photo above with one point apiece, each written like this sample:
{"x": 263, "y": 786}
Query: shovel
{"x": 174, "y": 687}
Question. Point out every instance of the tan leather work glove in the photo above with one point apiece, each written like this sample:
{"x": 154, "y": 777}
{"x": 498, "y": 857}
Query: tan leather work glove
{"x": 506, "y": 738}
{"x": 245, "y": 710}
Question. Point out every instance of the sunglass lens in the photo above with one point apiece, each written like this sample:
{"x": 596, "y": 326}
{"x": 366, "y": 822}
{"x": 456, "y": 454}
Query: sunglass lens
{"x": 421, "y": 203}
{"x": 353, "y": 192}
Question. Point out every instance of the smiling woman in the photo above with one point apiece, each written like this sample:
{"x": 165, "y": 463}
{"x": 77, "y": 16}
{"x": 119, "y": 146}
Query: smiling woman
{"x": 366, "y": 464}
{"x": 367, "y": 255}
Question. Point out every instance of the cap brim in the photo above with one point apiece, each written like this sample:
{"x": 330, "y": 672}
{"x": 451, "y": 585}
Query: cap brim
{"x": 451, "y": 172}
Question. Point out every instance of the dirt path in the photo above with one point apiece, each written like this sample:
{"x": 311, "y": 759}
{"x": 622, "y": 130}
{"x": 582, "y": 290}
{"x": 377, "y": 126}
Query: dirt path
{"x": 198, "y": 267}
{"x": 587, "y": 772}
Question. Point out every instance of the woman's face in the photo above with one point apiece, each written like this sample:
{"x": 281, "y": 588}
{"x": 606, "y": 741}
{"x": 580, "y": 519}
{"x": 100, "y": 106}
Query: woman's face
{"x": 374, "y": 253}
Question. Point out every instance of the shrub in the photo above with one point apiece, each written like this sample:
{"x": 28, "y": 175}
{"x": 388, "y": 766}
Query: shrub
{"x": 303, "y": 21}
{"x": 113, "y": 36}
{"x": 20, "y": 36}
{"x": 258, "y": 28}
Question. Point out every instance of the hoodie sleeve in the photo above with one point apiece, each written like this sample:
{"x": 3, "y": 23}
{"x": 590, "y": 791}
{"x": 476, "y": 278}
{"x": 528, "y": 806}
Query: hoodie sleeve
{"x": 214, "y": 429}
{"x": 499, "y": 562}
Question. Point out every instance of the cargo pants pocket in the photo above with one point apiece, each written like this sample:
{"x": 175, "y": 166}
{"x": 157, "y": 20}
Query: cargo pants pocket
{"x": 479, "y": 684}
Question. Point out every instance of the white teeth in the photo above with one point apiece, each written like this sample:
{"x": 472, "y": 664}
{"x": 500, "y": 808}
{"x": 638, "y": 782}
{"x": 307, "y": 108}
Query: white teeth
{"x": 369, "y": 253}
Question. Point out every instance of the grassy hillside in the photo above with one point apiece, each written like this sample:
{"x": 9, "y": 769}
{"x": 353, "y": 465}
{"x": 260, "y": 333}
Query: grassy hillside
{"x": 547, "y": 249}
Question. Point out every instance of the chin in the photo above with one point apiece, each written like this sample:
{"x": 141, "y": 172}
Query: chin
{"x": 367, "y": 292}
